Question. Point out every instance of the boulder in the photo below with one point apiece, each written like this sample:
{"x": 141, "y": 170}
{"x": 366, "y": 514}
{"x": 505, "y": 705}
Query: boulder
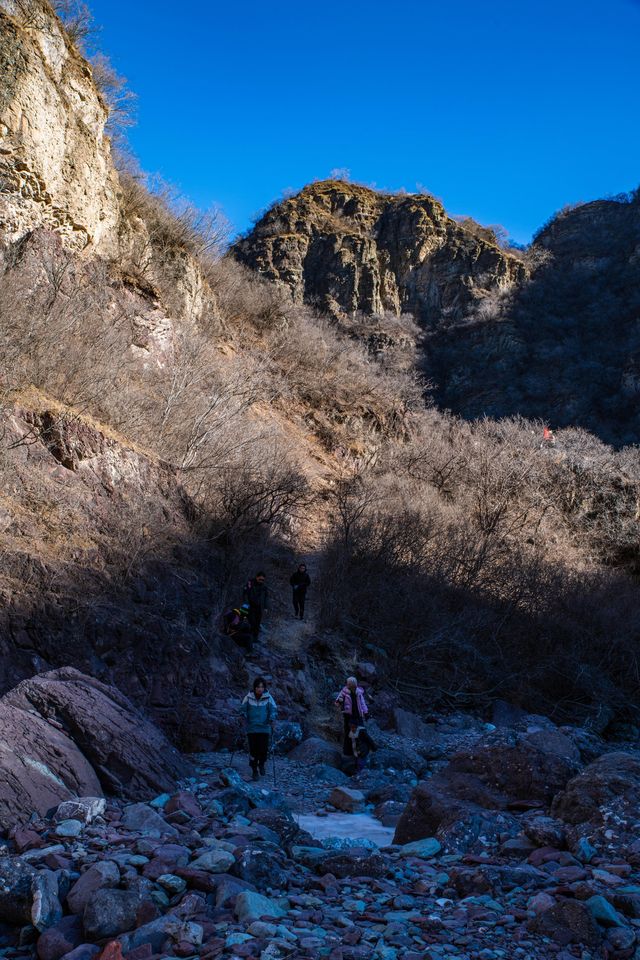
{"x": 46, "y": 909}
{"x": 252, "y": 906}
{"x": 612, "y": 778}
{"x": 130, "y": 756}
{"x": 504, "y": 767}
{"x": 110, "y": 912}
{"x": 262, "y": 866}
{"x": 215, "y": 860}
{"x": 85, "y": 809}
{"x": 412, "y": 726}
{"x": 343, "y": 798}
{"x": 16, "y": 890}
{"x": 105, "y": 873}
{"x": 426, "y": 848}
{"x": 532, "y": 764}
{"x": 353, "y": 863}
{"x": 314, "y": 750}
{"x": 61, "y": 939}
{"x": 40, "y": 765}
{"x": 286, "y": 735}
{"x": 143, "y": 819}
{"x": 569, "y": 921}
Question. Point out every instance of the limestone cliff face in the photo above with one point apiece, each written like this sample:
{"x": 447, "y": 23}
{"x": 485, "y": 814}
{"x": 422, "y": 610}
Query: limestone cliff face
{"x": 345, "y": 248}
{"x": 55, "y": 161}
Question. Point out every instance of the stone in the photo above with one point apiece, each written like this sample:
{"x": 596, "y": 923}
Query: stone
{"x": 425, "y": 849}
{"x": 158, "y": 932}
{"x": 353, "y": 863}
{"x": 85, "y": 809}
{"x": 261, "y": 865}
{"x": 16, "y": 893}
{"x": 216, "y": 860}
{"x": 545, "y": 831}
{"x": 286, "y": 735}
{"x": 60, "y": 939}
{"x": 110, "y": 912}
{"x": 602, "y": 911}
{"x": 172, "y": 884}
{"x": 228, "y": 889}
{"x": 142, "y": 819}
{"x": 613, "y": 776}
{"x": 113, "y": 746}
{"x": 105, "y": 873}
{"x": 620, "y": 939}
{"x": 253, "y": 906}
{"x": 347, "y": 799}
{"x": 568, "y": 921}
{"x": 46, "y": 909}
{"x": 540, "y": 903}
{"x": 87, "y": 951}
{"x": 68, "y": 829}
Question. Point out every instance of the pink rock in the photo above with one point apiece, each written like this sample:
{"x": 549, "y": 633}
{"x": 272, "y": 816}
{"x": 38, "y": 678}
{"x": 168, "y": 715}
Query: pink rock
{"x": 540, "y": 902}
{"x": 26, "y": 839}
{"x": 184, "y": 801}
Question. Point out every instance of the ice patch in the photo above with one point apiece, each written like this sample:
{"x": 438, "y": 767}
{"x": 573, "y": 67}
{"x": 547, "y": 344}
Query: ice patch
{"x": 353, "y": 826}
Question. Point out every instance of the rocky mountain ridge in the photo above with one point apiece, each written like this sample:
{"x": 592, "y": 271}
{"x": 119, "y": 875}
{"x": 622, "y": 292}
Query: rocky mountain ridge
{"x": 345, "y": 249}
{"x": 550, "y": 333}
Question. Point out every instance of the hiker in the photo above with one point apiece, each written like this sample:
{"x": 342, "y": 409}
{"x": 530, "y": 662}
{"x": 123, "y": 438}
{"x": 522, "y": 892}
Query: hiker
{"x": 256, "y": 594}
{"x": 236, "y": 625}
{"x": 362, "y": 745}
{"x": 300, "y": 580}
{"x": 354, "y": 710}
{"x": 260, "y": 711}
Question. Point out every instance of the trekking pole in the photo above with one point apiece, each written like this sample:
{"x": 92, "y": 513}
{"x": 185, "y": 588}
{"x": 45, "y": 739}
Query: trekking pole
{"x": 273, "y": 759}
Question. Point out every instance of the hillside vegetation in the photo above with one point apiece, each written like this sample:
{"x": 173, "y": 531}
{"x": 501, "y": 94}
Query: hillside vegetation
{"x": 172, "y": 419}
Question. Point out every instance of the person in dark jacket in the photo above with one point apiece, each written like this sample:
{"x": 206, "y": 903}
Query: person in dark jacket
{"x": 236, "y": 625}
{"x": 300, "y": 581}
{"x": 259, "y": 711}
{"x": 256, "y": 594}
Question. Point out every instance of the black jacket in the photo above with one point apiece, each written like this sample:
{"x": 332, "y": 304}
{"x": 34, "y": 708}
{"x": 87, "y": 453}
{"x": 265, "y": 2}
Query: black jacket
{"x": 257, "y": 594}
{"x": 300, "y": 581}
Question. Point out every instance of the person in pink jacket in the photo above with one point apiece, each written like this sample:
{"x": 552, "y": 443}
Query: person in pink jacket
{"x": 351, "y": 702}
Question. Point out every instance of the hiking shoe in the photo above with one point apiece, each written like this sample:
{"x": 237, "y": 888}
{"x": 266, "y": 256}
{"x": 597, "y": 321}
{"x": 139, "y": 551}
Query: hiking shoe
{"x": 262, "y": 769}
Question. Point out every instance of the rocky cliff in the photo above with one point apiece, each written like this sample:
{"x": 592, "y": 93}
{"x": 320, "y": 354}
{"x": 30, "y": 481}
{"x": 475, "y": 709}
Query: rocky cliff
{"x": 55, "y": 160}
{"x": 344, "y": 248}
{"x": 551, "y": 336}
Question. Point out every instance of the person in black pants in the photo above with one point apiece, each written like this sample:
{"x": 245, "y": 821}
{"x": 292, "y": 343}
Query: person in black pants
{"x": 256, "y": 594}
{"x": 260, "y": 712}
{"x": 300, "y": 581}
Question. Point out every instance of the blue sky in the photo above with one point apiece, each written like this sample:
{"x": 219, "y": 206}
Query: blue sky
{"x": 505, "y": 110}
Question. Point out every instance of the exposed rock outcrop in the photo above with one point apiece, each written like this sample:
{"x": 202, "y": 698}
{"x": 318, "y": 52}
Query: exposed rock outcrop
{"x": 66, "y": 735}
{"x": 55, "y": 160}
{"x": 345, "y": 248}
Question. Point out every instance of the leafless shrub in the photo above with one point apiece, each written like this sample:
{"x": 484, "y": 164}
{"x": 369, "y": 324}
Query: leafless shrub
{"x": 262, "y": 488}
{"x": 120, "y": 100}
{"x": 77, "y": 19}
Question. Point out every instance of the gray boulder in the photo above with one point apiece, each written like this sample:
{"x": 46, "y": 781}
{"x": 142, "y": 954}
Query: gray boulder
{"x": 99, "y": 875}
{"x": 110, "y": 913}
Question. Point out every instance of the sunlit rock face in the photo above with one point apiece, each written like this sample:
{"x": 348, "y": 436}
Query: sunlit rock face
{"x": 55, "y": 160}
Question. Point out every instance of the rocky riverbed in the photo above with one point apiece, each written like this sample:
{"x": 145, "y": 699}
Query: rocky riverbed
{"x": 220, "y": 867}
